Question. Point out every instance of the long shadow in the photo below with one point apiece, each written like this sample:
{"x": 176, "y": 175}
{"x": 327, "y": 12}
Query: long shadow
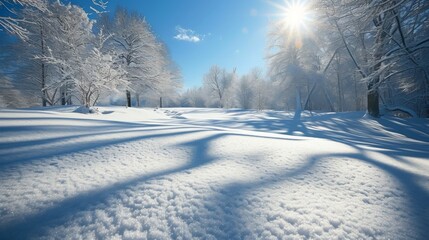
{"x": 63, "y": 129}
{"x": 342, "y": 131}
{"x": 57, "y": 214}
{"x": 110, "y": 134}
{"x": 418, "y": 196}
{"x": 356, "y": 133}
{"x": 70, "y": 144}
{"x": 351, "y": 132}
{"x": 60, "y": 119}
{"x": 415, "y": 132}
{"x": 338, "y": 131}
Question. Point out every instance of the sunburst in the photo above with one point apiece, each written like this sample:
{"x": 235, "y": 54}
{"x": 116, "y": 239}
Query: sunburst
{"x": 297, "y": 18}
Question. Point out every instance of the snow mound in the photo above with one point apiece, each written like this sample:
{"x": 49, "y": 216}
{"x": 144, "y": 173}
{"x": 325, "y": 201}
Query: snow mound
{"x": 87, "y": 110}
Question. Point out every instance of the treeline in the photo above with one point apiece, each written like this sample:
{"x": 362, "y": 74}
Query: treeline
{"x": 347, "y": 55}
{"x": 350, "y": 55}
{"x": 258, "y": 90}
{"x": 382, "y": 44}
{"x": 62, "y": 56}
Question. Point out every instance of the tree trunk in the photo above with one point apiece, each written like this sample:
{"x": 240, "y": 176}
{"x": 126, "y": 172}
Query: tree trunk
{"x": 128, "y": 98}
{"x": 340, "y": 88}
{"x": 383, "y": 23}
{"x": 42, "y": 45}
{"x": 63, "y": 96}
{"x": 373, "y": 102}
{"x": 69, "y": 97}
{"x": 160, "y": 102}
{"x": 138, "y": 99}
{"x": 43, "y": 86}
{"x": 357, "y": 108}
{"x": 340, "y": 94}
{"x": 298, "y": 107}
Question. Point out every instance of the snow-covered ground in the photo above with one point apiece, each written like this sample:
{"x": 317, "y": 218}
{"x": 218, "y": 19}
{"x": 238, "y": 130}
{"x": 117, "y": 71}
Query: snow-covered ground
{"x": 211, "y": 174}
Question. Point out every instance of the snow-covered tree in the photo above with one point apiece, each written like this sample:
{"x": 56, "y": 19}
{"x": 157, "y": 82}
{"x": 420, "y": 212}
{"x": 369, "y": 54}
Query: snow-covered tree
{"x": 385, "y": 40}
{"x": 36, "y": 77}
{"x": 138, "y": 50}
{"x": 12, "y": 23}
{"x": 68, "y": 52}
{"x": 260, "y": 89}
{"x": 194, "y": 97}
{"x": 165, "y": 85}
{"x": 245, "y": 92}
{"x": 86, "y": 67}
{"x": 10, "y": 96}
{"x": 218, "y": 81}
{"x": 99, "y": 73}
{"x": 286, "y": 62}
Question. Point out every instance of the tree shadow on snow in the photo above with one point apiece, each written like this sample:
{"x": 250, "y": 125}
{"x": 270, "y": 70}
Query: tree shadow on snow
{"x": 347, "y": 132}
{"x": 364, "y": 139}
{"x": 58, "y": 213}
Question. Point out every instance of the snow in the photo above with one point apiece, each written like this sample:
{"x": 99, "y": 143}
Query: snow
{"x": 183, "y": 173}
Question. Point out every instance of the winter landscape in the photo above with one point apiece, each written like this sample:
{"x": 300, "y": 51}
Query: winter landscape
{"x": 158, "y": 120}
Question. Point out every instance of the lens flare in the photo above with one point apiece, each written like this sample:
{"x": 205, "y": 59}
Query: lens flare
{"x": 297, "y": 15}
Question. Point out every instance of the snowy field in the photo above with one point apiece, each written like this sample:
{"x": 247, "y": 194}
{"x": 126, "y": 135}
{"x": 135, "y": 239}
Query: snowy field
{"x": 211, "y": 174}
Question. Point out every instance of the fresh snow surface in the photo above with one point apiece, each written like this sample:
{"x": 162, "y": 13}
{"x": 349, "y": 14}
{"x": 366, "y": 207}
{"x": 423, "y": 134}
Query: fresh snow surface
{"x": 189, "y": 173}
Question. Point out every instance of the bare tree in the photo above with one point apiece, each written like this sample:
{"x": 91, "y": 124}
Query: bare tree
{"x": 218, "y": 80}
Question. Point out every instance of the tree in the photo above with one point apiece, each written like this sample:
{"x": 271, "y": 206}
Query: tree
{"x": 35, "y": 75}
{"x": 194, "y": 97}
{"x": 11, "y": 23}
{"x": 245, "y": 92}
{"x": 383, "y": 39}
{"x": 260, "y": 88}
{"x": 217, "y": 81}
{"x": 14, "y": 24}
{"x": 99, "y": 73}
{"x": 83, "y": 68}
{"x": 40, "y": 26}
{"x": 69, "y": 50}
{"x": 167, "y": 82}
{"x": 10, "y": 96}
{"x": 138, "y": 50}
{"x": 286, "y": 64}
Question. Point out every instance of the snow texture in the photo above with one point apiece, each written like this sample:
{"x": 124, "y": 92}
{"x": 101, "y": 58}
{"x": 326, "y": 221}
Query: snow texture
{"x": 211, "y": 174}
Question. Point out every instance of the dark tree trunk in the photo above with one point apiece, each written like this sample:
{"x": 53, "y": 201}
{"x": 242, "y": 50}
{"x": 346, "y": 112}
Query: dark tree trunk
{"x": 373, "y": 101}
{"x": 383, "y": 22}
{"x": 43, "y": 86}
{"x": 42, "y": 45}
{"x": 340, "y": 87}
{"x": 160, "y": 102}
{"x": 128, "y": 98}
{"x": 63, "y": 97}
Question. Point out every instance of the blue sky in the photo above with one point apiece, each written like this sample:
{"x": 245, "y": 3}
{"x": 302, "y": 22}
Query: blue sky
{"x": 231, "y": 33}
{"x": 228, "y": 33}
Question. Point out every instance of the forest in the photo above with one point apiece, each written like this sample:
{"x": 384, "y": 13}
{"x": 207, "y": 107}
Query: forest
{"x": 358, "y": 57}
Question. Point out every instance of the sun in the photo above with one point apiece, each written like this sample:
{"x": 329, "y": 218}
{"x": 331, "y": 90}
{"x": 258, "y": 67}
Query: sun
{"x": 297, "y": 15}
{"x": 297, "y": 19}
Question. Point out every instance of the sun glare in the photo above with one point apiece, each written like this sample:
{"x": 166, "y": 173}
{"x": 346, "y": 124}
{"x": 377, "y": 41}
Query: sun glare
{"x": 297, "y": 15}
{"x": 297, "y": 20}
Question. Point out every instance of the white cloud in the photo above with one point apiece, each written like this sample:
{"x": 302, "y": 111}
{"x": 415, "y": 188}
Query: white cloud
{"x": 187, "y": 35}
{"x": 245, "y": 30}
